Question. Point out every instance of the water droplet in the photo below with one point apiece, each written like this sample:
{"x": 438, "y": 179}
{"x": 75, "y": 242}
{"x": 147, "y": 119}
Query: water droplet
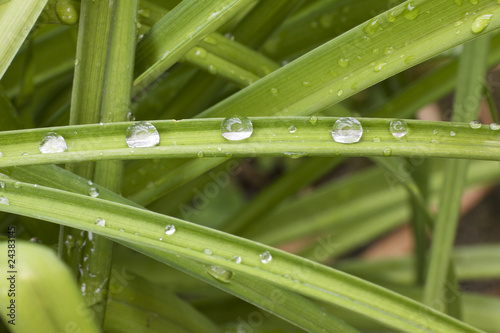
{"x": 219, "y": 273}
{"x": 313, "y": 120}
{"x": 18, "y": 185}
{"x": 411, "y": 11}
{"x": 326, "y": 20}
{"x": 2, "y": 184}
{"x": 480, "y": 23}
{"x": 75, "y": 62}
{"x": 306, "y": 83}
{"x": 121, "y": 230}
{"x": 347, "y": 130}
{"x": 295, "y": 155}
{"x": 292, "y": 129}
{"x": 372, "y": 26}
{"x": 340, "y": 92}
{"x": 212, "y": 69}
{"x": 236, "y": 128}
{"x": 53, "y": 143}
{"x": 343, "y": 62}
{"x": 475, "y": 124}
{"x": 200, "y": 52}
{"x": 452, "y": 133}
{"x": 398, "y": 128}
{"x": 434, "y": 141}
{"x": 392, "y": 16}
{"x": 66, "y": 12}
{"x": 170, "y": 229}
{"x": 376, "y": 140}
{"x": 141, "y": 135}
{"x": 409, "y": 59}
{"x": 274, "y": 91}
{"x": 210, "y": 40}
{"x": 130, "y": 116}
{"x": 4, "y": 201}
{"x": 389, "y": 50}
{"x": 200, "y": 154}
{"x": 495, "y": 126}
{"x": 207, "y": 252}
{"x": 236, "y": 259}
{"x": 100, "y": 222}
{"x": 265, "y": 257}
{"x": 379, "y": 66}
{"x": 387, "y": 152}
{"x": 93, "y": 192}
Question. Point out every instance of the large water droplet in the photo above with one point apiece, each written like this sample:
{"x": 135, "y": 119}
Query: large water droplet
{"x": 475, "y": 124}
{"x": 52, "y": 143}
{"x": 219, "y": 273}
{"x": 398, "y": 128}
{"x": 265, "y": 257}
{"x": 236, "y": 128}
{"x": 66, "y": 12}
{"x": 141, "y": 135}
{"x": 347, "y": 130}
{"x": 170, "y": 229}
{"x": 494, "y": 126}
{"x": 93, "y": 192}
{"x": 100, "y": 222}
{"x": 480, "y": 23}
{"x": 4, "y": 201}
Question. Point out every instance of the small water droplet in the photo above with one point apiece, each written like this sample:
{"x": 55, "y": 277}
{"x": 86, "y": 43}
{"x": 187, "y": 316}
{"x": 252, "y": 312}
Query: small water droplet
{"x": 200, "y": 154}
{"x": 210, "y": 40}
{"x": 236, "y": 259}
{"x": 292, "y": 129}
{"x": 265, "y": 257}
{"x": 372, "y": 26}
{"x": 274, "y": 91}
{"x": 142, "y": 135}
{"x": 4, "y": 201}
{"x": 121, "y": 230}
{"x": 475, "y": 124}
{"x": 18, "y": 185}
{"x": 452, "y": 133}
{"x": 343, "y": 62}
{"x": 409, "y": 59}
{"x": 376, "y": 140}
{"x": 306, "y": 83}
{"x": 434, "y": 141}
{"x": 52, "y": 143}
{"x": 93, "y": 192}
{"x": 130, "y": 116}
{"x": 170, "y": 229}
{"x": 387, "y": 152}
{"x": 212, "y": 69}
{"x": 76, "y": 61}
{"x": 200, "y": 52}
{"x": 389, "y": 50}
{"x": 379, "y": 66}
{"x": 340, "y": 92}
{"x": 295, "y": 155}
{"x": 480, "y": 23}
{"x": 207, "y": 252}
{"x": 347, "y": 130}
{"x": 313, "y": 120}
{"x": 236, "y": 128}
{"x": 495, "y": 126}
{"x": 100, "y": 222}
{"x": 411, "y": 11}
{"x": 219, "y": 273}
{"x": 2, "y": 184}
{"x": 398, "y": 128}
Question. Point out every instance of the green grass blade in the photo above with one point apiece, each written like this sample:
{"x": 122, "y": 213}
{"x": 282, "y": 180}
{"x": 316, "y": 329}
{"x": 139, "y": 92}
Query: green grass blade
{"x": 17, "y": 17}
{"x": 467, "y": 101}
{"x": 347, "y": 64}
{"x": 45, "y": 292}
{"x": 271, "y": 137}
{"x": 178, "y": 32}
{"x": 190, "y": 241}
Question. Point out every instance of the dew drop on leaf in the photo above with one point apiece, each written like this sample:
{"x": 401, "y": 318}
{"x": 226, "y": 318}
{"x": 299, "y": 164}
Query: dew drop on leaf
{"x": 141, "y": 135}
{"x": 475, "y": 124}
{"x": 347, "y": 130}
{"x": 236, "y": 259}
{"x": 398, "y": 128}
{"x": 452, "y": 133}
{"x": 170, "y": 229}
{"x": 52, "y": 143}
{"x": 236, "y": 128}
{"x": 387, "y": 152}
{"x": 207, "y": 252}
{"x": 219, "y": 273}
{"x": 292, "y": 129}
{"x": 494, "y": 126}
{"x": 265, "y": 257}
{"x": 480, "y": 23}
{"x": 4, "y": 201}
{"x": 100, "y": 222}
{"x": 93, "y": 192}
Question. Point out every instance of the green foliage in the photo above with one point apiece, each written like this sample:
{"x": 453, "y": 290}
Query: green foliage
{"x": 194, "y": 218}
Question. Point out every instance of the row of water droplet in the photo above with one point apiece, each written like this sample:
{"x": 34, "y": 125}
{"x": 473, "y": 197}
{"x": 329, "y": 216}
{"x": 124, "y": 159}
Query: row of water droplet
{"x": 144, "y": 134}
